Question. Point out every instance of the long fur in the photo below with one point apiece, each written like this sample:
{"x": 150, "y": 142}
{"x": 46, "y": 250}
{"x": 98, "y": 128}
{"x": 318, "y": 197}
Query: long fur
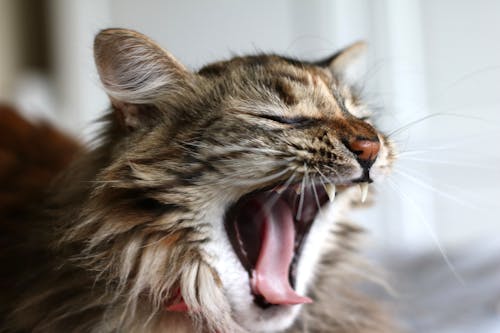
{"x": 131, "y": 224}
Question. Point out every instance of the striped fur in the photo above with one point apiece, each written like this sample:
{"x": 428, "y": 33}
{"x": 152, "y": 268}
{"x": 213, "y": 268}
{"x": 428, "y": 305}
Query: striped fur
{"x": 140, "y": 218}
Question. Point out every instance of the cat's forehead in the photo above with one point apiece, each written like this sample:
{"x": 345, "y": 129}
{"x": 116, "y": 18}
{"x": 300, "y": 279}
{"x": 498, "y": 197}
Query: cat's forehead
{"x": 294, "y": 82}
{"x": 267, "y": 66}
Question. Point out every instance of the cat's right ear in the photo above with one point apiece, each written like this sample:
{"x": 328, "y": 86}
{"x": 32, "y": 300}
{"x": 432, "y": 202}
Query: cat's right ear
{"x": 138, "y": 75}
{"x": 349, "y": 64}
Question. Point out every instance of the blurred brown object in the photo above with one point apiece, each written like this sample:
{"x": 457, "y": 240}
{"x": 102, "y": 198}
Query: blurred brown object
{"x": 31, "y": 155}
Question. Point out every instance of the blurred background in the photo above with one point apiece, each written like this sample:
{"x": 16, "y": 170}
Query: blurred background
{"x": 433, "y": 81}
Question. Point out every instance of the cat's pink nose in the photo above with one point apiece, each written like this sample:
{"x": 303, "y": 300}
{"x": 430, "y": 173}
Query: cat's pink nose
{"x": 365, "y": 150}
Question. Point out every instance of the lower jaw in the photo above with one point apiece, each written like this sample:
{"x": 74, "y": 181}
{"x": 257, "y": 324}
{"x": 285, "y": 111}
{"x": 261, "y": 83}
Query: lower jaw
{"x": 278, "y": 317}
{"x": 274, "y": 319}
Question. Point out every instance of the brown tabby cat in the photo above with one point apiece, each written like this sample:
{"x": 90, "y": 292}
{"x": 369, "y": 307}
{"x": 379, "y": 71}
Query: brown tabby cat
{"x": 213, "y": 202}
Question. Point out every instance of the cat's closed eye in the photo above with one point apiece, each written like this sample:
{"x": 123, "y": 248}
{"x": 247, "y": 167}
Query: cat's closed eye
{"x": 295, "y": 121}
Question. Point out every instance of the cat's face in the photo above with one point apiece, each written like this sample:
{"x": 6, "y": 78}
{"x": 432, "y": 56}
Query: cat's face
{"x": 252, "y": 152}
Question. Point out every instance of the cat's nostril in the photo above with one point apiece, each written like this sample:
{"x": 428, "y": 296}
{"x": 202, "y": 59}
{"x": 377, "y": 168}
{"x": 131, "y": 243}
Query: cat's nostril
{"x": 365, "y": 150}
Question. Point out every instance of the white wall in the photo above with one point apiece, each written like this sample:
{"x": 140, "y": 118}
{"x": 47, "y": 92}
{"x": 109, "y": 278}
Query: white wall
{"x": 462, "y": 53}
{"x": 9, "y": 55}
{"x": 427, "y": 57}
{"x": 198, "y": 32}
{"x": 80, "y": 99}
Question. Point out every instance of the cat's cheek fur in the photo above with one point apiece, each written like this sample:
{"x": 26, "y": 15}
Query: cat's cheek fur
{"x": 383, "y": 164}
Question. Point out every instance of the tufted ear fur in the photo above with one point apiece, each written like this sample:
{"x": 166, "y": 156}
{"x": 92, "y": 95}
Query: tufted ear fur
{"x": 137, "y": 74}
{"x": 349, "y": 64}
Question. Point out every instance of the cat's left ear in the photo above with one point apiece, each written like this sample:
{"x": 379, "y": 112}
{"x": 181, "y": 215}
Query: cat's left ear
{"x": 349, "y": 64}
{"x": 138, "y": 75}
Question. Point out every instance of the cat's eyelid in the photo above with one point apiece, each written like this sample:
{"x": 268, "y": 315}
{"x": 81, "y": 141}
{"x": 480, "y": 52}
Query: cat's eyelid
{"x": 284, "y": 119}
{"x": 299, "y": 121}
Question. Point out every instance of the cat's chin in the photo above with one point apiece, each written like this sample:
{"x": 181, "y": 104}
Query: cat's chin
{"x": 273, "y": 319}
{"x": 245, "y": 312}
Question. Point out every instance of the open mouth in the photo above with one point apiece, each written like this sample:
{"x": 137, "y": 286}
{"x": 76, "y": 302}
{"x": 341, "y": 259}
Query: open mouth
{"x": 267, "y": 229}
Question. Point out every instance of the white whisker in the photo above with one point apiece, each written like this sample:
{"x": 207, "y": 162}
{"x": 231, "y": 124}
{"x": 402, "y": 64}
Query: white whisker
{"x": 448, "y": 163}
{"x": 276, "y": 195}
{"x": 414, "y": 152}
{"x": 461, "y": 190}
{"x": 427, "y": 117}
{"x": 429, "y": 230}
{"x": 313, "y": 187}
{"x": 322, "y": 175}
{"x": 302, "y": 194}
{"x": 323, "y": 184}
{"x": 316, "y": 198}
{"x": 286, "y": 184}
{"x": 448, "y": 149}
{"x": 432, "y": 188}
{"x": 456, "y": 145}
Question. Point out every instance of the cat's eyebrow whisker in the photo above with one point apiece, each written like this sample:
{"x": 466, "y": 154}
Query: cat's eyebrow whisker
{"x": 429, "y": 229}
{"x": 432, "y": 188}
{"x": 410, "y": 124}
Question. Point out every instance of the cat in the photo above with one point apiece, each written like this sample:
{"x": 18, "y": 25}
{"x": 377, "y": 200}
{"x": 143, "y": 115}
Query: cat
{"x": 213, "y": 201}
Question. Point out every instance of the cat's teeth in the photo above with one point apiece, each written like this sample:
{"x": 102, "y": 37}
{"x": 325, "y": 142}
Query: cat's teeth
{"x": 363, "y": 187}
{"x": 330, "y": 190}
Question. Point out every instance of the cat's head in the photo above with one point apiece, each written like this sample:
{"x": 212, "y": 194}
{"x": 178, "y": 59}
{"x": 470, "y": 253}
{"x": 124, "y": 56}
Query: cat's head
{"x": 219, "y": 185}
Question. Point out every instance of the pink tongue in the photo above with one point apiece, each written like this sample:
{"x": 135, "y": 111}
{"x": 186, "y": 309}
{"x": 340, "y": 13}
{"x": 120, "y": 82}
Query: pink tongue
{"x": 270, "y": 277}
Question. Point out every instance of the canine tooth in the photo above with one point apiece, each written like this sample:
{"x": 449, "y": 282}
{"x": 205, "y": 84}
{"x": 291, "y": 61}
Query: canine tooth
{"x": 363, "y": 187}
{"x": 330, "y": 190}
